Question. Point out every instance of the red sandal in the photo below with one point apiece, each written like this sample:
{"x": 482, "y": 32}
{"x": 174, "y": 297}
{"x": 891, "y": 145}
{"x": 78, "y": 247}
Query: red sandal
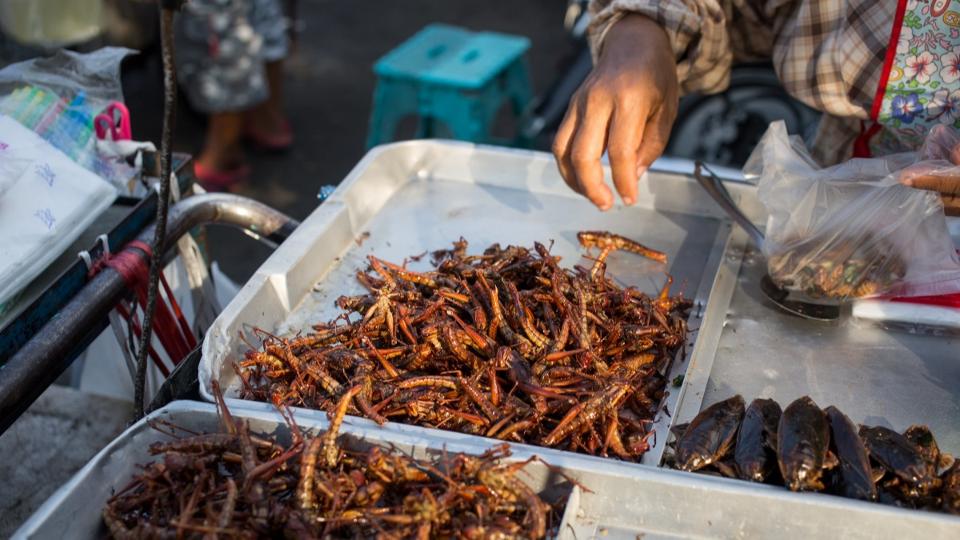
{"x": 220, "y": 180}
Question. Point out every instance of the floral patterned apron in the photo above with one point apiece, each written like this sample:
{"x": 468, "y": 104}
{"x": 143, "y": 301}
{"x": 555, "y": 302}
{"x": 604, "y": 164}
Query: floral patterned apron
{"x": 920, "y": 84}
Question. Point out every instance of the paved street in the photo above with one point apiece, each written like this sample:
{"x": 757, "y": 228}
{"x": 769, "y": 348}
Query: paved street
{"x": 329, "y": 88}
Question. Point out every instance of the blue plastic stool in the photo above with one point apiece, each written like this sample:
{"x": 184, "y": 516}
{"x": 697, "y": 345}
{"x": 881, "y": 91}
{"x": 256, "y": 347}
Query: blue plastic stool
{"x": 449, "y": 75}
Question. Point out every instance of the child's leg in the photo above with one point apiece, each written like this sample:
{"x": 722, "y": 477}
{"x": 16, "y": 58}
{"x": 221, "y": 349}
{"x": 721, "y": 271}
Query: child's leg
{"x": 222, "y": 74}
{"x": 267, "y": 119}
{"x": 221, "y": 148}
{"x": 266, "y": 124}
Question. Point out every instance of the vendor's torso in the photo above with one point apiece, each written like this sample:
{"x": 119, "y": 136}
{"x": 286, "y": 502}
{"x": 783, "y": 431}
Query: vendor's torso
{"x": 920, "y": 83}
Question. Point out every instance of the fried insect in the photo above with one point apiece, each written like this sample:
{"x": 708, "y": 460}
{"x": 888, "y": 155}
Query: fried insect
{"x": 606, "y": 240}
{"x": 819, "y": 450}
{"x": 211, "y": 491}
{"x": 901, "y": 457}
{"x": 803, "y": 441}
{"x": 756, "y": 450}
{"x": 854, "y": 477}
{"x": 710, "y": 436}
{"x": 506, "y": 344}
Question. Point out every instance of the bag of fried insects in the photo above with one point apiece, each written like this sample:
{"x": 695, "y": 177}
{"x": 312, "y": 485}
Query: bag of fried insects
{"x": 852, "y": 230}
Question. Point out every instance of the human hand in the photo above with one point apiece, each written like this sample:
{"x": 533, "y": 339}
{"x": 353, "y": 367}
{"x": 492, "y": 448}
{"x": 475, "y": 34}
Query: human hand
{"x": 627, "y": 105}
{"x": 947, "y": 185}
{"x": 942, "y": 143}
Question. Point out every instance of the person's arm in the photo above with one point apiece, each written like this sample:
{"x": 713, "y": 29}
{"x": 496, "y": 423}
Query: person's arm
{"x": 646, "y": 51}
{"x": 697, "y": 30}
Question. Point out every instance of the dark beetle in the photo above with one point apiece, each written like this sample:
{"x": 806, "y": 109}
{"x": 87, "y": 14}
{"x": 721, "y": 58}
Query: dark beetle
{"x": 899, "y": 456}
{"x": 951, "y": 489}
{"x": 803, "y": 439}
{"x": 855, "y": 477}
{"x": 908, "y": 495}
{"x": 922, "y": 437}
{"x": 710, "y": 436}
{"x": 756, "y": 451}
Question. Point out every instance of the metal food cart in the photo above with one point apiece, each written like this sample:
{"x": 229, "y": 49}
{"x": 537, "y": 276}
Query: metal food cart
{"x": 405, "y": 198}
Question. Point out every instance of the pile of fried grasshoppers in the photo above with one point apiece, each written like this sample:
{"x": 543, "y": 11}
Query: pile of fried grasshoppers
{"x": 236, "y": 484}
{"x": 505, "y": 344}
{"x": 805, "y": 448}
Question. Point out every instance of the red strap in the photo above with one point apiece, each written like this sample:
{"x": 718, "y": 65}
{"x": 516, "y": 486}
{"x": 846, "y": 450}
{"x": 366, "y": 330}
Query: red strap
{"x": 178, "y": 313}
{"x": 861, "y": 146}
{"x": 183, "y": 340}
{"x": 888, "y": 60}
{"x": 170, "y": 325}
{"x": 135, "y": 326}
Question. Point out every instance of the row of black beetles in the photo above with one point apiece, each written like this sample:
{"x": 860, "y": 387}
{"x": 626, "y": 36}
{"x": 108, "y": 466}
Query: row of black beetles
{"x": 806, "y": 448}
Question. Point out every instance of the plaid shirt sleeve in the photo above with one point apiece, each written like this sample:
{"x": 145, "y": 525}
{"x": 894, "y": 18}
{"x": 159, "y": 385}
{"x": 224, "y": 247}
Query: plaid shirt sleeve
{"x": 696, "y": 31}
{"x": 828, "y": 54}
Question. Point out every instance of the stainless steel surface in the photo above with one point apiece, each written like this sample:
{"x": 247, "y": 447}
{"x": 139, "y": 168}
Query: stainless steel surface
{"x": 621, "y": 501}
{"x": 41, "y": 360}
{"x": 415, "y": 196}
{"x": 709, "y": 315}
{"x": 408, "y": 198}
{"x": 875, "y": 376}
{"x": 686, "y": 167}
{"x": 659, "y": 503}
{"x": 701, "y": 344}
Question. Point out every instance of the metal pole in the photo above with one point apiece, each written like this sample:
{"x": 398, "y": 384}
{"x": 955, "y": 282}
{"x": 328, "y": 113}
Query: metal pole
{"x": 42, "y": 359}
{"x": 163, "y": 199}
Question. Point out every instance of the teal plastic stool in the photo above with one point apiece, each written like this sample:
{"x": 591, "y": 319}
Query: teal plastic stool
{"x": 449, "y": 75}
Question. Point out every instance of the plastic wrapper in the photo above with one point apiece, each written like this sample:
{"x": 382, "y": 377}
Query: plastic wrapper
{"x": 58, "y": 97}
{"x": 854, "y": 229}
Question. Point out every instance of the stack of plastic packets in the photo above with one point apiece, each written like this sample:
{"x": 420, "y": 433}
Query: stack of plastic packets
{"x": 67, "y": 125}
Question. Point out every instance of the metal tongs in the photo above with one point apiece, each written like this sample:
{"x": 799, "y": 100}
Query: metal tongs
{"x": 778, "y": 295}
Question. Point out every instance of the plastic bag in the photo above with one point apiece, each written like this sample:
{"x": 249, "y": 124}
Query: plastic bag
{"x": 943, "y": 144}
{"x": 853, "y": 230}
{"x": 59, "y": 96}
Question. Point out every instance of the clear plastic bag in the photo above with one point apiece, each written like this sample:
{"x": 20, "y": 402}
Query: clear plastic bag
{"x": 59, "y": 96}
{"x": 854, "y": 230}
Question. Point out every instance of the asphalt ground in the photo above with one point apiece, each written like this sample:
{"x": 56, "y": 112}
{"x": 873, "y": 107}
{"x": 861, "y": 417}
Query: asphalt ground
{"x": 329, "y": 86}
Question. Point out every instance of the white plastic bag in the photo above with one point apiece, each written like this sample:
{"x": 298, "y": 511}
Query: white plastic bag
{"x": 852, "y": 230}
{"x": 48, "y": 202}
{"x": 59, "y": 96}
